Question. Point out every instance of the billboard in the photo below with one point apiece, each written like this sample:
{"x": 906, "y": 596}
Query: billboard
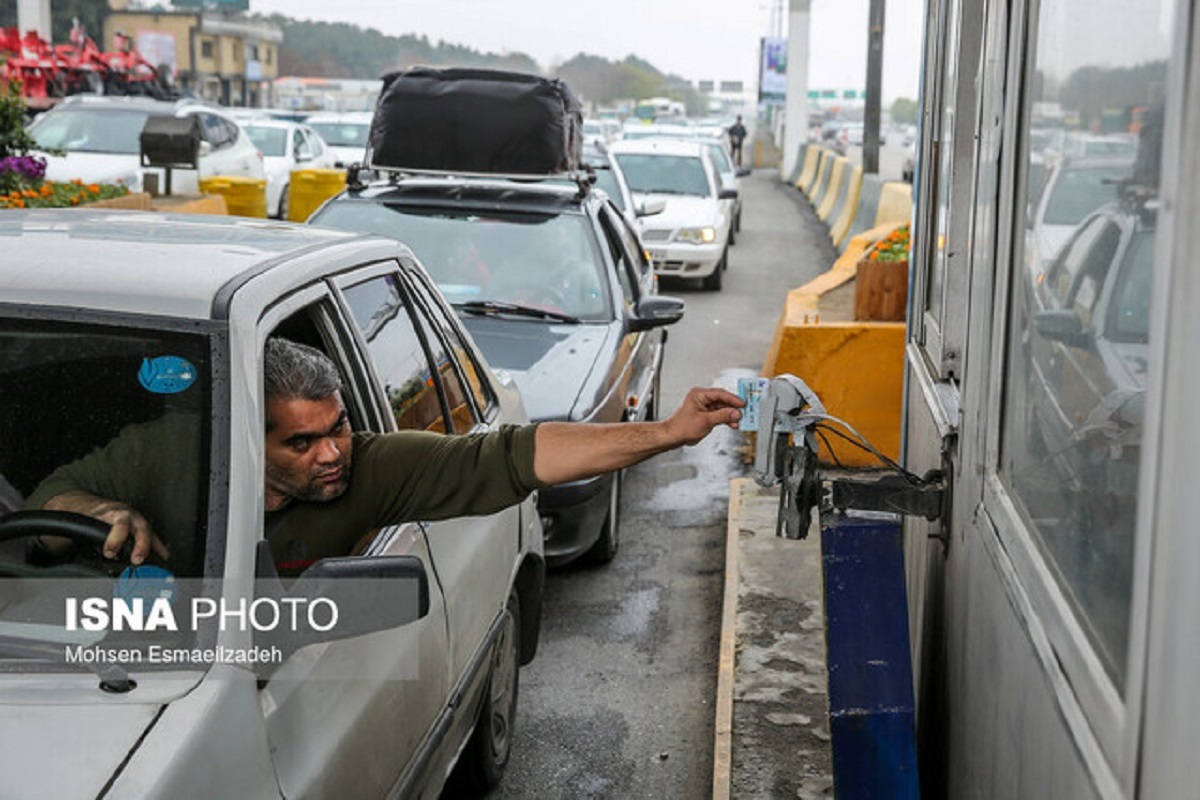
{"x": 772, "y": 73}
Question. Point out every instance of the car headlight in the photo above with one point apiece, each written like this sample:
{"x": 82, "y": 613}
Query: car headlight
{"x": 697, "y": 235}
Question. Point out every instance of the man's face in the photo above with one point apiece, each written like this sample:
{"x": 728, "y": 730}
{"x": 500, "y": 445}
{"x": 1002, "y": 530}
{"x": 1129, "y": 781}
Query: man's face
{"x": 307, "y": 450}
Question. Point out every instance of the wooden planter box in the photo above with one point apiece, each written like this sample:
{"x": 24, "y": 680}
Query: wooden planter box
{"x": 139, "y": 201}
{"x": 881, "y": 291}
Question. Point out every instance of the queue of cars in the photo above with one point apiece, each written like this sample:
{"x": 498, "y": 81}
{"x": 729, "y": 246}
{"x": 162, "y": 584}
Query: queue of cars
{"x": 519, "y": 300}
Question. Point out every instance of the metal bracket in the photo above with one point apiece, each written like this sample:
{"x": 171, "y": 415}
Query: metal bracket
{"x": 786, "y": 454}
{"x": 899, "y": 494}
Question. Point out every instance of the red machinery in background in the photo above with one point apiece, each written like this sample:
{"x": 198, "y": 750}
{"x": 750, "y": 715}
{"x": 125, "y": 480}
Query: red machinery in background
{"x": 47, "y": 72}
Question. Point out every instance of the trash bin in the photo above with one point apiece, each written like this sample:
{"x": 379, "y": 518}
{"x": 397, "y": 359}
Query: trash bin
{"x": 309, "y": 188}
{"x": 244, "y": 197}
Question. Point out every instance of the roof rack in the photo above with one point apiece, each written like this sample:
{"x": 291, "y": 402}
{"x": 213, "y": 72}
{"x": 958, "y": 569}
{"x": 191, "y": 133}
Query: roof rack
{"x": 583, "y": 178}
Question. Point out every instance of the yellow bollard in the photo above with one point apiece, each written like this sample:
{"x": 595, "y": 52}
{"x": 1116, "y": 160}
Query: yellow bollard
{"x": 309, "y": 188}
{"x": 244, "y": 197}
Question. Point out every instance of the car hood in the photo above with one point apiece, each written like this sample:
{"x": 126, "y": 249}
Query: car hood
{"x": 682, "y": 211}
{"x": 549, "y": 362}
{"x": 80, "y": 746}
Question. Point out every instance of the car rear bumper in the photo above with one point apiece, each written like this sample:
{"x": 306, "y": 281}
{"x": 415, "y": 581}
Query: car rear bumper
{"x": 572, "y": 515}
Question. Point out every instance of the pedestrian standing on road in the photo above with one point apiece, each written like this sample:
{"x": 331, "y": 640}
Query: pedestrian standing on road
{"x": 326, "y": 487}
{"x": 737, "y": 135}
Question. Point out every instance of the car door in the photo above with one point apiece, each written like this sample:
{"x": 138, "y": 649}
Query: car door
{"x": 640, "y": 353}
{"x": 474, "y": 558}
{"x": 351, "y": 717}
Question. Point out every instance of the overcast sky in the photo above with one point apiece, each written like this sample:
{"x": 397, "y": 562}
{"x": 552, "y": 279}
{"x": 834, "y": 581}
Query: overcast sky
{"x": 696, "y": 39}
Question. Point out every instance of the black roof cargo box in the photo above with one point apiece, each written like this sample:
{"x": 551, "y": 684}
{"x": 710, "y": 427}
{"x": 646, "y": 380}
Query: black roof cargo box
{"x": 477, "y": 121}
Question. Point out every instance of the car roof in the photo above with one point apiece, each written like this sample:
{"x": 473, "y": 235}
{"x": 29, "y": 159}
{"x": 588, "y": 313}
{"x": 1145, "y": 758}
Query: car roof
{"x": 143, "y": 262}
{"x": 667, "y": 147}
{"x": 267, "y": 122}
{"x": 130, "y": 103}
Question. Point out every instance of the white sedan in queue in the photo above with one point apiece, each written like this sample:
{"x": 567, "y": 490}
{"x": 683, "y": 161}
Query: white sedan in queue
{"x": 286, "y": 146}
{"x": 690, "y": 237}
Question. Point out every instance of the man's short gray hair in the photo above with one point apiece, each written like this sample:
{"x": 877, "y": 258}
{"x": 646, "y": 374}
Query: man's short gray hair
{"x": 293, "y": 371}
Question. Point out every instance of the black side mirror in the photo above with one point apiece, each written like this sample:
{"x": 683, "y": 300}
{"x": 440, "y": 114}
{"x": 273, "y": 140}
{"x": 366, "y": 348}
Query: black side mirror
{"x": 654, "y": 311}
{"x": 727, "y": 194}
{"x": 347, "y": 597}
{"x": 1061, "y": 325}
{"x": 743, "y": 172}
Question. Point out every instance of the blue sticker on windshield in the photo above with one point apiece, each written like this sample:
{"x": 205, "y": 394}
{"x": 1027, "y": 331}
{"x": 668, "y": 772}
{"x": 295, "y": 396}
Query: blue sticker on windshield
{"x": 147, "y": 582}
{"x": 166, "y": 374}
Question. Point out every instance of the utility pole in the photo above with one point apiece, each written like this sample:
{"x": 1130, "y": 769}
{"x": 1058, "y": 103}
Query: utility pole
{"x": 871, "y": 111}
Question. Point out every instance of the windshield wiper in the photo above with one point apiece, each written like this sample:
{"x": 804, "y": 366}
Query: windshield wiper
{"x": 113, "y": 677}
{"x": 490, "y": 307}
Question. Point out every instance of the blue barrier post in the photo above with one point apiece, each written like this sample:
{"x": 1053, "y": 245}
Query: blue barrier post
{"x": 871, "y": 708}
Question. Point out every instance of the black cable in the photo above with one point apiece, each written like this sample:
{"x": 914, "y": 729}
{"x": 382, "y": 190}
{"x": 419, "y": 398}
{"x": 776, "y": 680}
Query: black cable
{"x": 825, "y": 441}
{"x": 911, "y": 477}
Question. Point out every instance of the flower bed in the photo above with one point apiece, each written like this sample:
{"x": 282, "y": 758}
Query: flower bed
{"x": 48, "y": 194}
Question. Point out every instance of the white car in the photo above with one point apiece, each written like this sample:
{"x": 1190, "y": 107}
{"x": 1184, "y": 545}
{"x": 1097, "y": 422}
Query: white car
{"x": 286, "y": 146}
{"x": 345, "y": 133}
{"x": 127, "y": 321}
{"x": 690, "y": 237}
{"x": 100, "y": 137}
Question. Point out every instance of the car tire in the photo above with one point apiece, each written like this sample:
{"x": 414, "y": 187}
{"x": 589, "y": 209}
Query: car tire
{"x": 605, "y": 548}
{"x": 737, "y": 222}
{"x": 714, "y": 281}
{"x": 732, "y": 240}
{"x": 486, "y": 755}
{"x": 283, "y": 204}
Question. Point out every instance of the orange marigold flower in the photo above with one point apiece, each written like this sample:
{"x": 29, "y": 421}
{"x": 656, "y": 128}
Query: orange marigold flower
{"x": 74, "y": 201}
{"x": 94, "y": 188}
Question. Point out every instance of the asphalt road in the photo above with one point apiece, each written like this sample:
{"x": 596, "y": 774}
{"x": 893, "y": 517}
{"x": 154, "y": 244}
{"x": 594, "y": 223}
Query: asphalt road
{"x": 619, "y": 701}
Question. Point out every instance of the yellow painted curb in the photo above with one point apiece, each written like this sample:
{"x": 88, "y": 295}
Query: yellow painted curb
{"x": 727, "y": 654}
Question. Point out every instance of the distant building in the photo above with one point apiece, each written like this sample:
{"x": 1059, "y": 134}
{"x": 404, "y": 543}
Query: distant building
{"x": 325, "y": 94}
{"x": 220, "y": 56}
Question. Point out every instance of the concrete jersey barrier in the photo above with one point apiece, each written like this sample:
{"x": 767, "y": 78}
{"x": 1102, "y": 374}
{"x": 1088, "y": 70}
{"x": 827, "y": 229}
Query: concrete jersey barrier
{"x": 822, "y": 179}
{"x": 836, "y": 188}
{"x": 799, "y": 165}
{"x": 811, "y": 158}
{"x": 843, "y": 211}
{"x": 822, "y": 165}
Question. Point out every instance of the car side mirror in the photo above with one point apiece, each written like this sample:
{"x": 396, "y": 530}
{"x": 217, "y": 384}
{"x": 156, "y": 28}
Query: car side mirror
{"x": 648, "y": 208}
{"x": 1061, "y": 325}
{"x": 743, "y": 172}
{"x": 654, "y": 311}
{"x": 340, "y": 598}
{"x": 727, "y": 194}
{"x": 206, "y": 147}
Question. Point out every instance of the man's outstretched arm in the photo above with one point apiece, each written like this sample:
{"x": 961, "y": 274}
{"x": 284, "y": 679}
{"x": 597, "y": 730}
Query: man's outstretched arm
{"x": 565, "y": 451}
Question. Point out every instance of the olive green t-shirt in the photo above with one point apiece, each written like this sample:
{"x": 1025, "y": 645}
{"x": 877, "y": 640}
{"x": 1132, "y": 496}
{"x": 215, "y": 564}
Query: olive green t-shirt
{"x": 394, "y": 478}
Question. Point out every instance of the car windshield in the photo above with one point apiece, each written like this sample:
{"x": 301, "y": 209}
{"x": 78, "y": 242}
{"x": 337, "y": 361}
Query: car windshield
{"x": 89, "y": 130}
{"x": 342, "y": 134}
{"x": 122, "y": 413}
{"x": 271, "y": 141}
{"x": 664, "y": 174}
{"x": 548, "y": 261}
{"x": 1081, "y": 190}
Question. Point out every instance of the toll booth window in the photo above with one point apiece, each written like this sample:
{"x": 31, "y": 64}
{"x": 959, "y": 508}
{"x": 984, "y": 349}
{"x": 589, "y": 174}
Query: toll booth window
{"x": 1082, "y": 272}
{"x": 382, "y": 316}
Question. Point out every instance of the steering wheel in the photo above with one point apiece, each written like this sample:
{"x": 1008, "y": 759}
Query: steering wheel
{"x": 80, "y": 529}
